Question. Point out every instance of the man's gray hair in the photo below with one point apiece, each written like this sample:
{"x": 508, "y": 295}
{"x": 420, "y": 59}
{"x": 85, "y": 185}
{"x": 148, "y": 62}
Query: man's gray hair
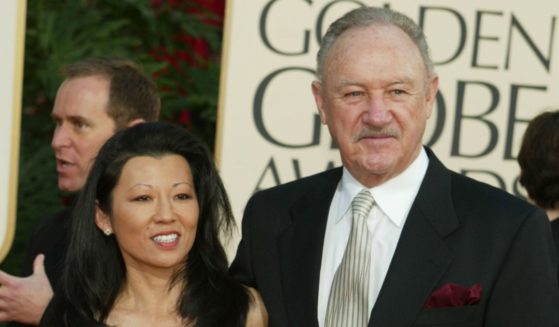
{"x": 367, "y": 16}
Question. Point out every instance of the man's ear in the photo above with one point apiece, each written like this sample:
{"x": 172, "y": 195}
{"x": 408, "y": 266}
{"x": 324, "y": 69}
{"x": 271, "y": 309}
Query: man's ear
{"x": 135, "y": 122}
{"x": 319, "y": 100}
{"x": 431, "y": 96}
{"x": 102, "y": 221}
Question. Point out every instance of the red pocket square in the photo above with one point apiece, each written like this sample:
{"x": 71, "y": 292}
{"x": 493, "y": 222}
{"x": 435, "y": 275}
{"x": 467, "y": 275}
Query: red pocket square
{"x": 454, "y": 295}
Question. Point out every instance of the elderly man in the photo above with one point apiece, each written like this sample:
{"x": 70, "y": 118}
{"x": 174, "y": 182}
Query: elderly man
{"x": 392, "y": 238}
{"x": 98, "y": 97}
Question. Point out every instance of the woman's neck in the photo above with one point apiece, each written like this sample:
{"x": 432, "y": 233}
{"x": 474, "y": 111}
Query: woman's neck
{"x": 147, "y": 299}
{"x": 149, "y": 291}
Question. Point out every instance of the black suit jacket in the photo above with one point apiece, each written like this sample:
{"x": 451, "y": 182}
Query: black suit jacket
{"x": 555, "y": 234}
{"x": 458, "y": 231}
{"x": 51, "y": 239}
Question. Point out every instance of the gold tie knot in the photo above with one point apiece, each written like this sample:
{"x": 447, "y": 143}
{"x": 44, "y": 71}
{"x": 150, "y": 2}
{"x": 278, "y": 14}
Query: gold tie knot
{"x": 362, "y": 203}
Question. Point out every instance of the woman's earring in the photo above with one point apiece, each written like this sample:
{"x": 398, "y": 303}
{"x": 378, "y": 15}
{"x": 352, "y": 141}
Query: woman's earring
{"x": 107, "y": 231}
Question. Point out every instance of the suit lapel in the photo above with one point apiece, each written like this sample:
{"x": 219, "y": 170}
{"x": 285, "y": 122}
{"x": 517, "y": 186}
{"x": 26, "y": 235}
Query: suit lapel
{"x": 301, "y": 251}
{"x": 421, "y": 256}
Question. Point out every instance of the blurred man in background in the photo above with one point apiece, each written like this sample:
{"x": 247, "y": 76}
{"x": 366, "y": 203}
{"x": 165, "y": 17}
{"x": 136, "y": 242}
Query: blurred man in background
{"x": 539, "y": 166}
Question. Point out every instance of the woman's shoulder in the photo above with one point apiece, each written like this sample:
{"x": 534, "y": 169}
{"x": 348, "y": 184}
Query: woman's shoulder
{"x": 257, "y": 315}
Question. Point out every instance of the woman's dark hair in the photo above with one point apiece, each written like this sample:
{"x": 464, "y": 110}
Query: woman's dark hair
{"x": 539, "y": 160}
{"x": 95, "y": 272}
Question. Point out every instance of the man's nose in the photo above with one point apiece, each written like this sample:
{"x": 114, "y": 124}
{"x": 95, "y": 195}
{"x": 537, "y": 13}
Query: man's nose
{"x": 60, "y": 137}
{"x": 377, "y": 112}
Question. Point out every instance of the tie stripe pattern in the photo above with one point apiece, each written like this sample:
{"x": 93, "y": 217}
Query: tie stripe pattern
{"x": 348, "y": 302}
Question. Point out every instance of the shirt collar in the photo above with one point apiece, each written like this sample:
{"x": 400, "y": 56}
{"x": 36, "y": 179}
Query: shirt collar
{"x": 394, "y": 197}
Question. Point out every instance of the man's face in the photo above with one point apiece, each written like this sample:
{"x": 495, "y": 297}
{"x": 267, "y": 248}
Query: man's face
{"x": 82, "y": 127}
{"x": 375, "y": 97}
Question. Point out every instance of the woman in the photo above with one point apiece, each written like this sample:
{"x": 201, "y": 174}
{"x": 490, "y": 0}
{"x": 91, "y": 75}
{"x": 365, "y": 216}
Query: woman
{"x": 144, "y": 248}
{"x": 539, "y": 166}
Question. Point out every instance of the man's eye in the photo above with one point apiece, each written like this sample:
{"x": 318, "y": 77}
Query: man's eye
{"x": 398, "y": 92}
{"x": 354, "y": 94}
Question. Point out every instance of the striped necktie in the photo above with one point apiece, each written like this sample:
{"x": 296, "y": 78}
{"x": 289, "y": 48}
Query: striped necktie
{"x": 348, "y": 304}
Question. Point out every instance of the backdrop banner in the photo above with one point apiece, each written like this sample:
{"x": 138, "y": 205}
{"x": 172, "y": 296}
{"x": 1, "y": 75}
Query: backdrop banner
{"x": 495, "y": 59}
{"x": 12, "y": 33}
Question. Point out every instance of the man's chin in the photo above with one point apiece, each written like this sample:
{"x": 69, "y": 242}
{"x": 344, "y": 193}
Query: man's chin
{"x": 68, "y": 186}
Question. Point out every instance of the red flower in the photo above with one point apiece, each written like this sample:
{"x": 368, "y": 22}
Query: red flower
{"x": 454, "y": 295}
{"x": 216, "y": 7}
{"x": 199, "y": 47}
{"x": 185, "y": 118}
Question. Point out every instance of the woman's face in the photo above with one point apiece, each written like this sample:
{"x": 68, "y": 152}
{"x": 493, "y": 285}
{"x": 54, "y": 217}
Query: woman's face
{"x": 154, "y": 212}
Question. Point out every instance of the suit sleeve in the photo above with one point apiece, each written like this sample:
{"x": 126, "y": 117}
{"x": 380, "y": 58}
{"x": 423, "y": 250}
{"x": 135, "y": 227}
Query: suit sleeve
{"x": 241, "y": 268}
{"x": 526, "y": 292}
{"x": 31, "y": 251}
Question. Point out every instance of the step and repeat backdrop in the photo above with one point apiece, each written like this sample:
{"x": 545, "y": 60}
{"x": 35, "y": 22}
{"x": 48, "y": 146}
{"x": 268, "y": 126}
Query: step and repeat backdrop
{"x": 497, "y": 62}
{"x": 12, "y": 32}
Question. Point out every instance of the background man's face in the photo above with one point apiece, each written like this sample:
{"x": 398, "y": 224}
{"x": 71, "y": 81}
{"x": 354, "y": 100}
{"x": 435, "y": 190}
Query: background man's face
{"x": 375, "y": 97}
{"x": 82, "y": 127}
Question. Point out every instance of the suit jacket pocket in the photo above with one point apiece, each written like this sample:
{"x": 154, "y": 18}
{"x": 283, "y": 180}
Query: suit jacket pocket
{"x": 447, "y": 316}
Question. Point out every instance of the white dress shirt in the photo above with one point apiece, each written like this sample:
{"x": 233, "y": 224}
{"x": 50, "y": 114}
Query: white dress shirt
{"x": 393, "y": 200}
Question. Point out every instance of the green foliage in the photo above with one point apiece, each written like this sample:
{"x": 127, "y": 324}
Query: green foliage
{"x": 63, "y": 31}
